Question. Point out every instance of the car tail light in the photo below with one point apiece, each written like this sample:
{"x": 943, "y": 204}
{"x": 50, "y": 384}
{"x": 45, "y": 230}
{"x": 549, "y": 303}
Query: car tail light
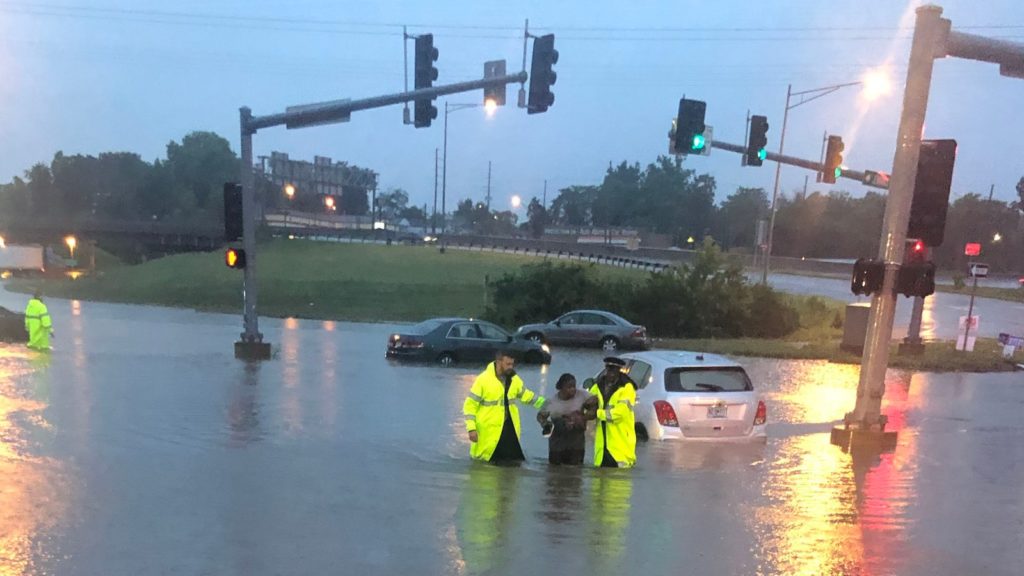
{"x": 406, "y": 342}
{"x": 666, "y": 414}
{"x": 762, "y": 413}
{"x": 640, "y": 332}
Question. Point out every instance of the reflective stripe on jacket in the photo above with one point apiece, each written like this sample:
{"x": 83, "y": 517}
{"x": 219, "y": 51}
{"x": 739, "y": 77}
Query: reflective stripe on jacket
{"x": 615, "y": 422}
{"x": 484, "y": 409}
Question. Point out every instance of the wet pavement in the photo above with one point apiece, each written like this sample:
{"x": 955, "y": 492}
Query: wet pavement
{"x": 141, "y": 446}
{"x": 942, "y": 310}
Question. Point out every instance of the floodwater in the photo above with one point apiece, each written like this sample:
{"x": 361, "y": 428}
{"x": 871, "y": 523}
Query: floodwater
{"x": 141, "y": 446}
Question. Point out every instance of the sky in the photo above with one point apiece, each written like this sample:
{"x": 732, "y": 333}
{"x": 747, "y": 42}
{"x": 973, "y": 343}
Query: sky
{"x": 119, "y": 75}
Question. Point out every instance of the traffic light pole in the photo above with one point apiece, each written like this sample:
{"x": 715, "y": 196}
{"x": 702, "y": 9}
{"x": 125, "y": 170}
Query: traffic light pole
{"x": 251, "y": 346}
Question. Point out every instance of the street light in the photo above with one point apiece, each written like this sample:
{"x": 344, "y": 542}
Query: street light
{"x": 329, "y": 202}
{"x": 289, "y": 191}
{"x": 997, "y": 237}
{"x": 71, "y": 242}
{"x": 517, "y": 201}
{"x": 449, "y": 107}
{"x": 876, "y": 84}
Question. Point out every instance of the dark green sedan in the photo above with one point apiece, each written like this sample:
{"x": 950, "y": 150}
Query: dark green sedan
{"x": 450, "y": 340}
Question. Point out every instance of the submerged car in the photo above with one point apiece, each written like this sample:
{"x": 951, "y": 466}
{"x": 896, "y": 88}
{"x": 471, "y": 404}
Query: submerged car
{"x": 451, "y": 340}
{"x": 605, "y": 330}
{"x": 694, "y": 396}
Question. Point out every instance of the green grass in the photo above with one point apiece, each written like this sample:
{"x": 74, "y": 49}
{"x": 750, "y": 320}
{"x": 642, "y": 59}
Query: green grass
{"x": 312, "y": 280}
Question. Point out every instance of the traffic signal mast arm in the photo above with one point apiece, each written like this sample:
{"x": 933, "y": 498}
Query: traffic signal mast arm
{"x": 340, "y": 110}
{"x": 860, "y": 176}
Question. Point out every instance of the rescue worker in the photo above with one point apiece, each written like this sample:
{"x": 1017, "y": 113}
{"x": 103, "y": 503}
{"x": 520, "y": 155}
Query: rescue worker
{"x": 38, "y": 323}
{"x": 615, "y": 436}
{"x": 492, "y": 420}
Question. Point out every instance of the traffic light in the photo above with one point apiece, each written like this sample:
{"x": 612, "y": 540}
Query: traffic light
{"x": 690, "y": 127}
{"x": 916, "y": 251}
{"x": 916, "y": 279}
{"x": 757, "y": 141}
{"x": 235, "y": 258}
{"x": 232, "y": 211}
{"x": 833, "y": 167}
{"x": 542, "y": 77}
{"x": 931, "y": 191}
{"x": 867, "y": 276}
{"x": 424, "y": 110}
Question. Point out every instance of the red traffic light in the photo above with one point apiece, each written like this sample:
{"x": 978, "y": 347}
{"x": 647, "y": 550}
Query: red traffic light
{"x": 918, "y": 247}
{"x": 234, "y": 258}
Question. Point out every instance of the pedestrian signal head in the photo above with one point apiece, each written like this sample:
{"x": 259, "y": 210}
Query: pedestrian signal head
{"x": 234, "y": 258}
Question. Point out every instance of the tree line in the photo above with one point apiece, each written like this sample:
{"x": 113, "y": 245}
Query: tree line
{"x": 662, "y": 198}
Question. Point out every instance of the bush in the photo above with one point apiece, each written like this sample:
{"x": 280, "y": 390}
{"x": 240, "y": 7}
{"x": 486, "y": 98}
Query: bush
{"x": 710, "y": 298}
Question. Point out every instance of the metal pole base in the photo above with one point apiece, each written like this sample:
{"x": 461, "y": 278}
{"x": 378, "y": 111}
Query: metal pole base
{"x": 911, "y": 348}
{"x": 252, "y": 350}
{"x": 857, "y": 439}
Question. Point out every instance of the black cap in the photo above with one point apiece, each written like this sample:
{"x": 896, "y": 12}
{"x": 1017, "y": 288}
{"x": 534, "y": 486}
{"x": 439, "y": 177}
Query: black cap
{"x": 613, "y": 361}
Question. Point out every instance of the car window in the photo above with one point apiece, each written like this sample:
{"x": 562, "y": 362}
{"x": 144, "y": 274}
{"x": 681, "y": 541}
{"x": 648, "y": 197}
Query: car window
{"x": 425, "y": 327}
{"x": 492, "y": 332}
{"x": 463, "y": 330}
{"x": 570, "y": 319}
{"x": 724, "y": 379}
{"x": 640, "y": 372}
{"x": 597, "y": 319}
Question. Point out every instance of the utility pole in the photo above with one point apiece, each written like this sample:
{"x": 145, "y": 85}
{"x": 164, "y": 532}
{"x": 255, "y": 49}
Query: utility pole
{"x": 991, "y": 190}
{"x": 433, "y": 217}
{"x": 545, "y": 200}
{"x": 488, "y": 199}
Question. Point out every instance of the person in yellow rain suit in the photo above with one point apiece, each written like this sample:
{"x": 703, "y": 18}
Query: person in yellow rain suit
{"x": 492, "y": 420}
{"x": 615, "y": 437}
{"x": 38, "y": 323}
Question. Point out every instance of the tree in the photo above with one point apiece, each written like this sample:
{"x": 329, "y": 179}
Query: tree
{"x": 737, "y": 217}
{"x": 200, "y": 166}
{"x": 574, "y": 206}
{"x": 537, "y": 218}
{"x": 1019, "y": 204}
{"x": 391, "y": 204}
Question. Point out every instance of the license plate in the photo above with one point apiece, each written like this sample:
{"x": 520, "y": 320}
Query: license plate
{"x": 718, "y": 411}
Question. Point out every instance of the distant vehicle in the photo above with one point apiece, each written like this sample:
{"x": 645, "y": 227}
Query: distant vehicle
{"x": 451, "y": 340}
{"x": 21, "y": 258}
{"x": 694, "y": 396}
{"x": 608, "y": 331}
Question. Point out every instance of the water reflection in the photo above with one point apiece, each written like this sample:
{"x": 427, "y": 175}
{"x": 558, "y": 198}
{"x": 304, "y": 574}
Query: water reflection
{"x": 30, "y": 486}
{"x": 830, "y": 512}
{"x": 485, "y": 517}
{"x": 244, "y": 407}
{"x": 609, "y": 501}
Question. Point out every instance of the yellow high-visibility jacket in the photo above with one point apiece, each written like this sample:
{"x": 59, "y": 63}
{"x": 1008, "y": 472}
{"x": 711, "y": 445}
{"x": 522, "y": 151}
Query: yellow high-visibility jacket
{"x": 38, "y": 325}
{"x": 615, "y": 425}
{"x": 484, "y": 410}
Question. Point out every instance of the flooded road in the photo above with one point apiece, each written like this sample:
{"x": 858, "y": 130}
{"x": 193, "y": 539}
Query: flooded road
{"x": 941, "y": 314}
{"x": 141, "y": 446}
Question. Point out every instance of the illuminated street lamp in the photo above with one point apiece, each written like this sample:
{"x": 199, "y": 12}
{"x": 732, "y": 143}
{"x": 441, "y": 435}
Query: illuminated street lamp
{"x": 449, "y": 108}
{"x": 289, "y": 191}
{"x": 329, "y": 203}
{"x": 490, "y": 105}
{"x": 71, "y": 242}
{"x": 997, "y": 237}
{"x": 875, "y": 82}
{"x": 516, "y": 201}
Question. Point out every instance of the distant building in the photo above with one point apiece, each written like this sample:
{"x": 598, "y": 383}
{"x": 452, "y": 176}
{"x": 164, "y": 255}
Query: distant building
{"x": 337, "y": 186}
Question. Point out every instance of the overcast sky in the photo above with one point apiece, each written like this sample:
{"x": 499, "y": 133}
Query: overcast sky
{"x": 89, "y": 77}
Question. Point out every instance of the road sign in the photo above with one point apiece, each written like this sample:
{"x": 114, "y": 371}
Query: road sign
{"x": 978, "y": 270}
{"x": 975, "y": 322}
{"x": 972, "y": 249}
{"x": 1009, "y": 340}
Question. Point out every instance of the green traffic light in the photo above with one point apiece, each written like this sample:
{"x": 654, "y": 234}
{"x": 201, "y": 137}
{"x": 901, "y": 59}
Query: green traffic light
{"x": 762, "y": 154}
{"x": 698, "y": 142}
{"x": 839, "y": 172}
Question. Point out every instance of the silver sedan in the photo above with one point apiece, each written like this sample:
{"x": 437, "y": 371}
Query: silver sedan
{"x": 599, "y": 328}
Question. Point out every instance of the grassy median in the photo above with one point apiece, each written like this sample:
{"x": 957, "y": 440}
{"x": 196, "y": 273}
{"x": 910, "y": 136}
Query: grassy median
{"x": 376, "y": 283}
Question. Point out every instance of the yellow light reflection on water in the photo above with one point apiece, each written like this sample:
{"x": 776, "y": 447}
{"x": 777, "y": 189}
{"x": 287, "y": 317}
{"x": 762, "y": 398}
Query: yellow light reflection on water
{"x": 30, "y": 490}
{"x": 828, "y": 511}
